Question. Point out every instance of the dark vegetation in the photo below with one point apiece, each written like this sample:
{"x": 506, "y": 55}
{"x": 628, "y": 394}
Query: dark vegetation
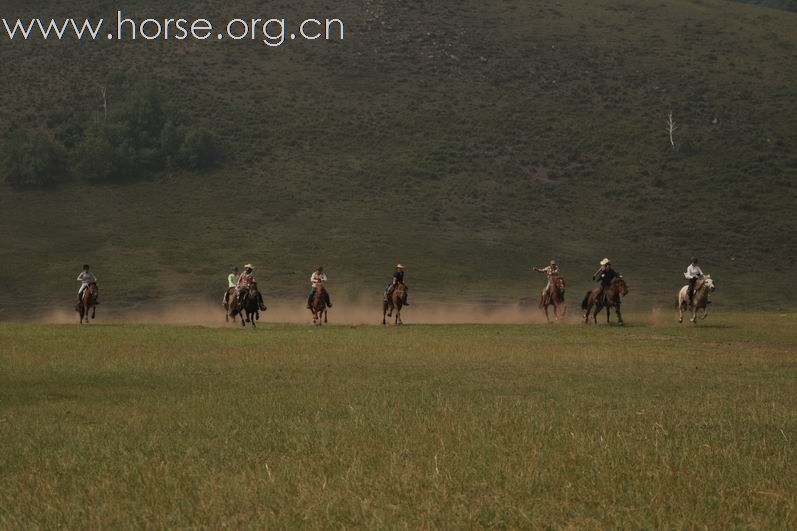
{"x": 135, "y": 134}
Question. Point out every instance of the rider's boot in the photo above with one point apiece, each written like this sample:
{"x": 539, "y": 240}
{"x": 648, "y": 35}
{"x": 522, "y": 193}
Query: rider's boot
{"x": 260, "y": 302}
{"x": 406, "y": 303}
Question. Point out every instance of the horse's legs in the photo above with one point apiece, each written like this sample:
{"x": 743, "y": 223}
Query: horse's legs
{"x": 545, "y": 308}
{"x": 93, "y": 312}
{"x": 608, "y": 315}
{"x": 325, "y": 316}
{"x": 619, "y": 316}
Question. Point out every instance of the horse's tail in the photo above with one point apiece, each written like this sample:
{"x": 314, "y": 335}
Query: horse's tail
{"x": 585, "y": 302}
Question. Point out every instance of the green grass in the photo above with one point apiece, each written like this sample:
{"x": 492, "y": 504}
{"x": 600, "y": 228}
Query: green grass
{"x": 447, "y": 426}
{"x": 470, "y": 141}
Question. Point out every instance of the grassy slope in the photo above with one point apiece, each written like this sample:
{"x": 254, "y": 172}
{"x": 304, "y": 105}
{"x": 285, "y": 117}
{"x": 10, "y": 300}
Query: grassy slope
{"x": 788, "y": 5}
{"x": 470, "y": 140}
{"x": 420, "y": 427}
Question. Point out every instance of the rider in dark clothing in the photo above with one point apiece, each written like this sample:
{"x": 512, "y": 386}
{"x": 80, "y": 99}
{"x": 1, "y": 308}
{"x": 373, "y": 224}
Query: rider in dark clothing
{"x": 605, "y": 275}
{"x": 398, "y": 278}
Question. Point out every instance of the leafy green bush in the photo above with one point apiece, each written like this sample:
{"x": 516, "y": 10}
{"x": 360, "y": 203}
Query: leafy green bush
{"x": 33, "y": 159}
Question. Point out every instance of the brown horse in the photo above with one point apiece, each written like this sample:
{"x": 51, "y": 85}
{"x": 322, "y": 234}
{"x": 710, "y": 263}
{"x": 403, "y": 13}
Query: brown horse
{"x": 394, "y": 302}
{"x": 611, "y": 298}
{"x": 555, "y": 298}
{"x": 319, "y": 305}
{"x": 88, "y": 303}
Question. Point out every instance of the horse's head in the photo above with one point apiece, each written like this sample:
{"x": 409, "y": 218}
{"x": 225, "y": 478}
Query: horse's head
{"x": 708, "y": 283}
{"x": 620, "y": 285}
{"x": 559, "y": 282}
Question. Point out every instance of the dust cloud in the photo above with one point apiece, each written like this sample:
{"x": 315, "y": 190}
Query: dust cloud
{"x": 292, "y": 311}
{"x": 352, "y": 311}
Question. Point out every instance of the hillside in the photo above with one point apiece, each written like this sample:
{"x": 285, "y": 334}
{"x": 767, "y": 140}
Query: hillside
{"x": 788, "y": 5}
{"x": 468, "y": 140}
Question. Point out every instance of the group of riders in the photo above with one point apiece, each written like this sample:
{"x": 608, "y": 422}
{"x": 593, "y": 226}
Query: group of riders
{"x": 606, "y": 274}
{"x": 239, "y": 284}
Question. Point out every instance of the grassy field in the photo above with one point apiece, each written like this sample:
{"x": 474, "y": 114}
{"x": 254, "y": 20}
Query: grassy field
{"x": 422, "y": 426}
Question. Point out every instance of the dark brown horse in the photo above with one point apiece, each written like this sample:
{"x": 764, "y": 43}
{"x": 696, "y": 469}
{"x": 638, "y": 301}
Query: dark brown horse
{"x": 319, "y": 305}
{"x": 555, "y": 297}
{"x": 247, "y": 302}
{"x": 394, "y": 302}
{"x": 88, "y": 302}
{"x": 611, "y": 298}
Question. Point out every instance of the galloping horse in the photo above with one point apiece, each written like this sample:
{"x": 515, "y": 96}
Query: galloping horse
{"x": 395, "y": 302}
{"x": 319, "y": 305}
{"x": 703, "y": 287}
{"x": 88, "y": 302}
{"x": 612, "y": 297}
{"x": 555, "y": 298}
{"x": 251, "y": 305}
{"x": 228, "y": 301}
{"x": 247, "y": 302}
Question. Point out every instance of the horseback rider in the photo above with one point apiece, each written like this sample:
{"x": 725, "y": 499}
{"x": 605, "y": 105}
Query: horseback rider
{"x": 398, "y": 278}
{"x": 232, "y": 282}
{"x": 693, "y": 274}
{"x": 318, "y": 277}
{"x": 85, "y": 278}
{"x": 605, "y": 275}
{"x": 246, "y": 279}
{"x": 551, "y": 270}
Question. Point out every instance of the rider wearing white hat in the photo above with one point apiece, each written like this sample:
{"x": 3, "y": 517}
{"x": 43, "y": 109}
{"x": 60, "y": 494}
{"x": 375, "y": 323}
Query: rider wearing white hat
{"x": 398, "y": 278}
{"x": 605, "y": 274}
{"x": 246, "y": 279}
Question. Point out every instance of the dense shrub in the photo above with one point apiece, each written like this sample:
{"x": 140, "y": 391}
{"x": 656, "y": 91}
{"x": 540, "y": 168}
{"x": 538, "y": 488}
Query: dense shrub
{"x": 200, "y": 149}
{"x": 33, "y": 159}
{"x": 137, "y": 139}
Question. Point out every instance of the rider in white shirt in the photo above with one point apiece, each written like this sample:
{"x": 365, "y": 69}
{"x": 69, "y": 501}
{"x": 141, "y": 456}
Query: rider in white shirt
{"x": 232, "y": 282}
{"x": 85, "y": 278}
{"x": 693, "y": 273}
{"x": 318, "y": 277}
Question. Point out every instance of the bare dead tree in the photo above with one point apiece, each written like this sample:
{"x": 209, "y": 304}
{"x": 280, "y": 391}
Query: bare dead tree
{"x": 103, "y": 90}
{"x": 671, "y": 127}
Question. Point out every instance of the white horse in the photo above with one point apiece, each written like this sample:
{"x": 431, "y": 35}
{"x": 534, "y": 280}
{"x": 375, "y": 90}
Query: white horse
{"x": 703, "y": 287}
